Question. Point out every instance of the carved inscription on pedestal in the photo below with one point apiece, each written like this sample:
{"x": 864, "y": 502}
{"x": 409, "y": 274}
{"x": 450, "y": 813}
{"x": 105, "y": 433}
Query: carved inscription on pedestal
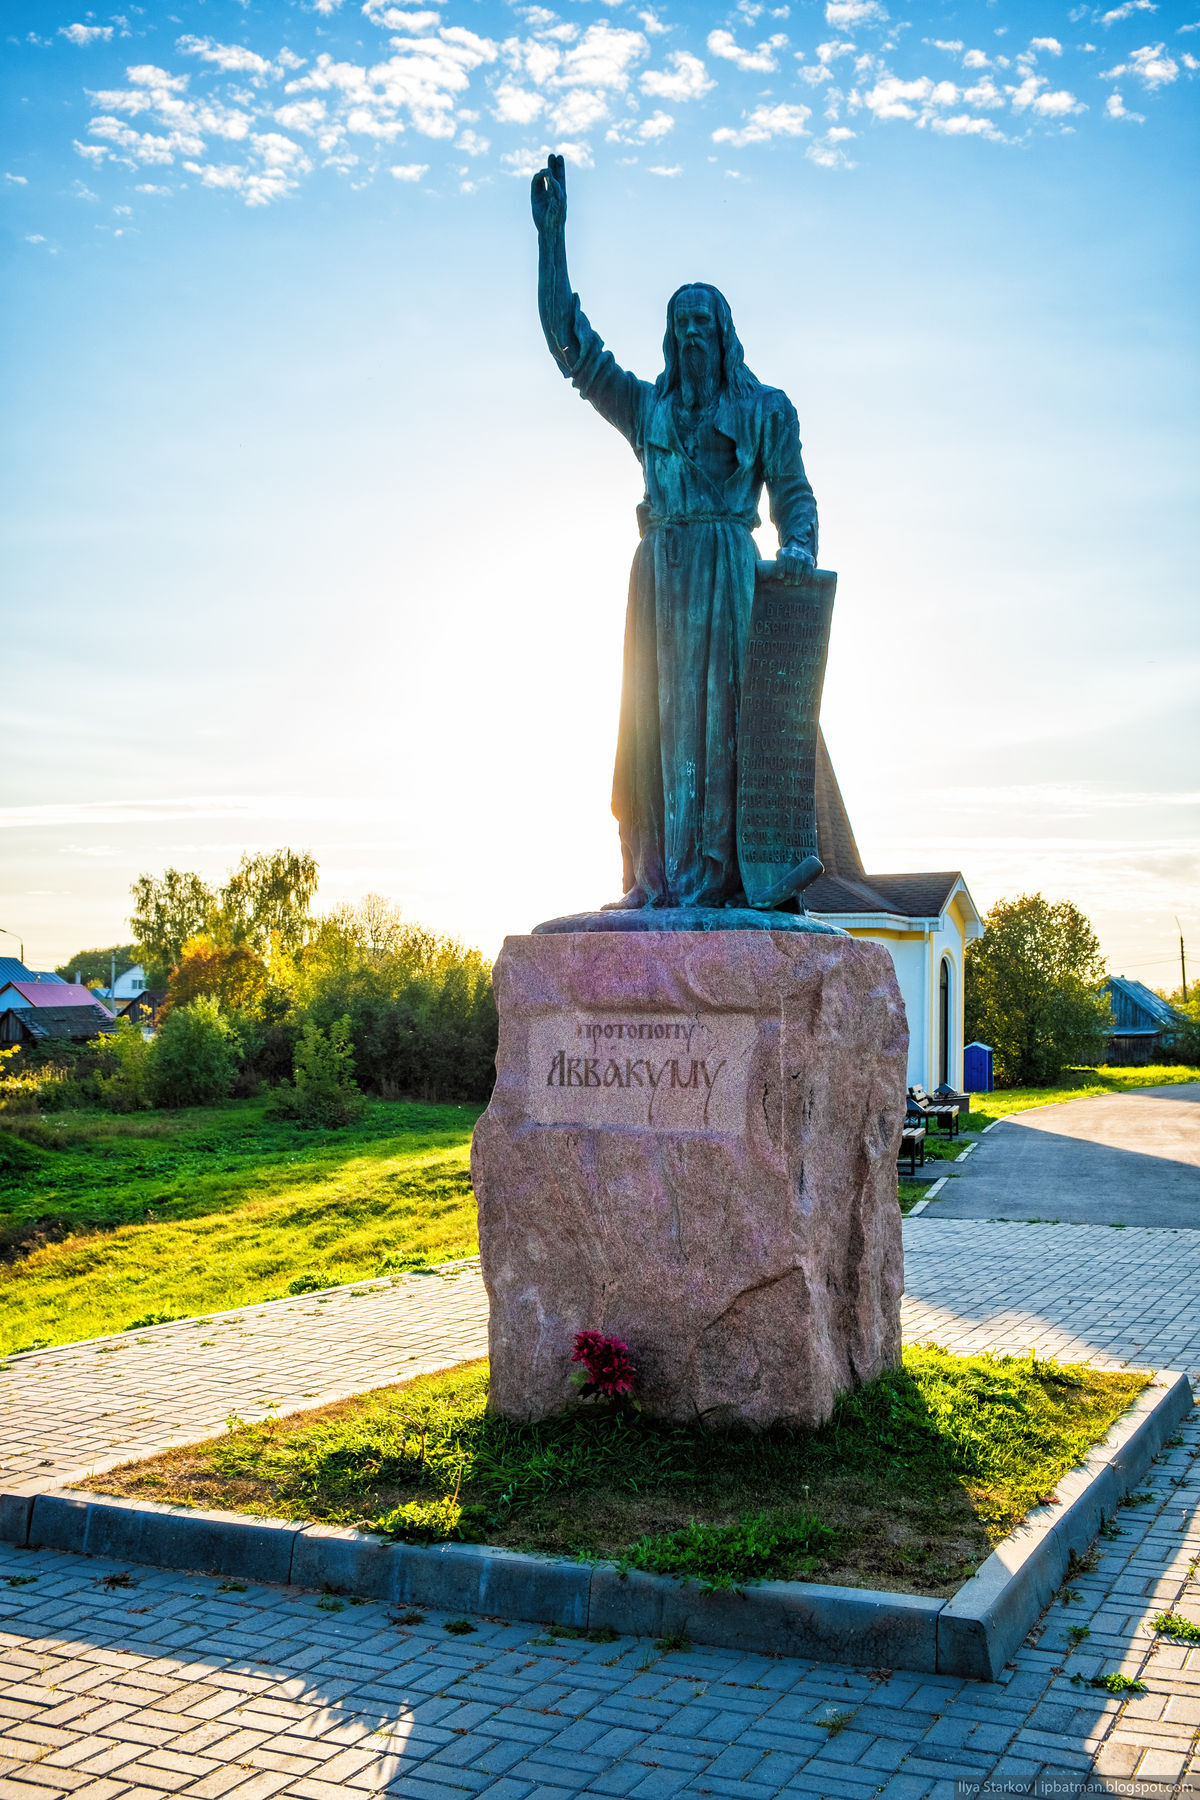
{"x": 658, "y": 1071}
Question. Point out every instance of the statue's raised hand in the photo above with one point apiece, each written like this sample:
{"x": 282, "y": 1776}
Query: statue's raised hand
{"x": 548, "y": 193}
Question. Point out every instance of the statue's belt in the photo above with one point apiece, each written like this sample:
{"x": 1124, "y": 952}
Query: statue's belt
{"x": 670, "y": 523}
{"x": 655, "y": 520}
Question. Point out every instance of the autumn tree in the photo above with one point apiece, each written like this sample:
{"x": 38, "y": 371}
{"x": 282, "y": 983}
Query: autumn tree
{"x": 267, "y": 899}
{"x": 1033, "y": 990}
{"x": 233, "y": 974}
{"x": 167, "y": 911}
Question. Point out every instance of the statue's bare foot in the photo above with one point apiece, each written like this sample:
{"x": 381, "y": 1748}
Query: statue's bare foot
{"x": 630, "y": 902}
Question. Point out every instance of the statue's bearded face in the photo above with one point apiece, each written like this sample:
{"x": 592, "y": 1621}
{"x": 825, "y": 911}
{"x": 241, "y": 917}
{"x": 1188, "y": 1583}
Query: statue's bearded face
{"x": 698, "y": 339}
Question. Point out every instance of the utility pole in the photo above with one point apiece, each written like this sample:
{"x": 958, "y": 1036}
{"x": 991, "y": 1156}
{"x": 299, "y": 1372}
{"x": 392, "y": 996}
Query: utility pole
{"x": 20, "y": 941}
{"x": 1182, "y": 961}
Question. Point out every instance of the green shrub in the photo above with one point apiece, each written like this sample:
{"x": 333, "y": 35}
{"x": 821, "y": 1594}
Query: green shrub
{"x": 323, "y": 1093}
{"x": 195, "y": 1056}
{"x": 127, "y": 1088}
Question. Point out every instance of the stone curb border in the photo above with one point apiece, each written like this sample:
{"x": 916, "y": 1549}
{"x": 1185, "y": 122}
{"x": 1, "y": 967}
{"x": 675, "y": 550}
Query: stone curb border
{"x": 973, "y": 1635}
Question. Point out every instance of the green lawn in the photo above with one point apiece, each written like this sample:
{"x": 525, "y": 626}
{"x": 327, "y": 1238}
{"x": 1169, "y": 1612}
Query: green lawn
{"x": 910, "y": 1484}
{"x": 1077, "y": 1084}
{"x": 106, "y": 1221}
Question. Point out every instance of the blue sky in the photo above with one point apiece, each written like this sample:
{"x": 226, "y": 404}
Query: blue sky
{"x": 307, "y": 541}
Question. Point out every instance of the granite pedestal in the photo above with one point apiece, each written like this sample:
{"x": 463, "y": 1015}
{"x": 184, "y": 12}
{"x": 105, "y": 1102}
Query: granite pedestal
{"x": 692, "y": 1146}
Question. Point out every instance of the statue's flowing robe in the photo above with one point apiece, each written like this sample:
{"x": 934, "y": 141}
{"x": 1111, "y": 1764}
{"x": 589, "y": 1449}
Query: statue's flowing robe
{"x": 688, "y": 618}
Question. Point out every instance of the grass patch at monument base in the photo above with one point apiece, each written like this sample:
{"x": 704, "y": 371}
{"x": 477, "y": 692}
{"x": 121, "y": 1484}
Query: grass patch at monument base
{"x": 907, "y": 1488}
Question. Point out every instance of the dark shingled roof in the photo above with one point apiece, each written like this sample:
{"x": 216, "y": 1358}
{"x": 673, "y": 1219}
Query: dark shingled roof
{"x": 845, "y": 887}
{"x": 63, "y": 1021}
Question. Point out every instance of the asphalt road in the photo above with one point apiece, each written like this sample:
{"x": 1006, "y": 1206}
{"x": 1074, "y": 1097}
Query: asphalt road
{"x": 1119, "y": 1159}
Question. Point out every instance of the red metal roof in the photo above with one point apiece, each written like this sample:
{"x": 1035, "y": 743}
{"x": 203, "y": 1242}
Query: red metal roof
{"x": 51, "y": 993}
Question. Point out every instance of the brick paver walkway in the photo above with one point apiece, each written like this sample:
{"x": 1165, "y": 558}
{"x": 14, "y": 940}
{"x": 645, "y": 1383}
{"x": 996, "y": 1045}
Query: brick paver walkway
{"x": 90, "y": 1406}
{"x": 1085, "y": 1291}
{"x": 182, "y": 1684}
{"x": 126, "y": 1685}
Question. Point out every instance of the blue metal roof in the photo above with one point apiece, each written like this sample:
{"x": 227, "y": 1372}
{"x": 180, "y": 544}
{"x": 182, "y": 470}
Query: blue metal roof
{"x": 13, "y": 969}
{"x": 1138, "y": 1008}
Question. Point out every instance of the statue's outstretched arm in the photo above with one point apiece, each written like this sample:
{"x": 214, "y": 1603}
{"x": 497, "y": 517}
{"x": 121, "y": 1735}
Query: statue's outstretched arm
{"x": 555, "y": 299}
{"x": 793, "y": 508}
{"x": 617, "y": 395}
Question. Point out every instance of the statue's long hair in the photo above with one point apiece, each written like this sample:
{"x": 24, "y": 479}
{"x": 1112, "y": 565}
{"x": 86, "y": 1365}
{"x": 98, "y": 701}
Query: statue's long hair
{"x": 735, "y": 376}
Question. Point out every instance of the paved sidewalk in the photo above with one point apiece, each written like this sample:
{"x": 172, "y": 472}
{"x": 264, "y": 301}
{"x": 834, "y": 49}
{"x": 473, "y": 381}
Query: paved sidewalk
{"x": 1115, "y": 1159}
{"x": 90, "y": 1406}
{"x": 128, "y": 1685}
{"x": 1084, "y": 1293}
{"x": 1077, "y": 1291}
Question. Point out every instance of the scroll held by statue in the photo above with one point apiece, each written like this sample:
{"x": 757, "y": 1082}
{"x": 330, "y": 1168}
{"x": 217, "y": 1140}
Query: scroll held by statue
{"x": 777, "y": 726}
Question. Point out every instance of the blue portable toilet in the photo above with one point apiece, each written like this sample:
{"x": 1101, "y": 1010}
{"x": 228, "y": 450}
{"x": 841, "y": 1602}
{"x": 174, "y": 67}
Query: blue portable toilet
{"x": 977, "y": 1068}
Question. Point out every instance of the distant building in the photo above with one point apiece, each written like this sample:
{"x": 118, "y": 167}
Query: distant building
{"x": 1144, "y": 1024}
{"x": 128, "y": 985}
{"x": 32, "y": 1010}
{"x": 925, "y": 921}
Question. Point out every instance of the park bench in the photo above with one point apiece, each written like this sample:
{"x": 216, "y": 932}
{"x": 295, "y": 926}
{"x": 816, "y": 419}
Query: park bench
{"x": 921, "y": 1110}
{"x": 912, "y": 1145}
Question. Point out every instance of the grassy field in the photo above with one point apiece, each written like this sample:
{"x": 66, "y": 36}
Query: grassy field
{"x": 107, "y": 1221}
{"x": 908, "y": 1487}
{"x": 1077, "y": 1084}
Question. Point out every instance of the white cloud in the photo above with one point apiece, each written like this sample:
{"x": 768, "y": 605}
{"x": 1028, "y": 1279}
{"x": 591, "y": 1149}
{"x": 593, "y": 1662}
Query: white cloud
{"x": 603, "y": 57}
{"x": 409, "y": 171}
{"x": 855, "y": 12}
{"x": 85, "y": 34}
{"x": 471, "y": 144}
{"x": 656, "y": 126}
{"x": 964, "y": 125}
{"x": 828, "y": 156}
{"x": 1115, "y": 108}
{"x": 579, "y": 111}
{"x": 517, "y": 105}
{"x": 766, "y": 122}
{"x": 983, "y": 93}
{"x": 658, "y": 169}
{"x": 953, "y": 45}
{"x": 1030, "y": 98}
{"x": 149, "y": 187}
{"x": 301, "y": 115}
{"x": 35, "y": 238}
{"x": 528, "y": 162}
{"x": 146, "y": 146}
{"x": 641, "y": 131}
{"x": 654, "y": 25}
{"x": 688, "y": 79}
{"x": 1127, "y": 11}
{"x": 233, "y": 59}
{"x": 1051, "y": 46}
{"x": 20, "y": 180}
{"x": 830, "y": 52}
{"x": 892, "y": 98}
{"x": 761, "y": 60}
{"x": 1151, "y": 65}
